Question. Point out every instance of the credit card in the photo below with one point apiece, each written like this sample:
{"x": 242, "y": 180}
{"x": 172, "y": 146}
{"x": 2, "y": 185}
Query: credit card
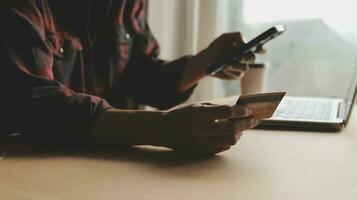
{"x": 263, "y": 105}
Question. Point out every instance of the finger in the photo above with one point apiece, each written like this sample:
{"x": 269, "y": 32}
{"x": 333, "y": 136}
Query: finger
{"x": 226, "y": 133}
{"x": 240, "y": 111}
{"x": 226, "y": 112}
{"x": 211, "y": 150}
{"x": 244, "y": 124}
{"x": 216, "y": 111}
{"x": 248, "y": 58}
{"x": 229, "y": 127}
{"x": 221, "y": 140}
{"x": 260, "y": 49}
{"x": 234, "y": 37}
{"x": 238, "y": 135}
{"x": 237, "y": 70}
{"x": 237, "y": 67}
{"x": 204, "y": 149}
{"x": 223, "y": 127}
{"x": 223, "y": 76}
{"x": 226, "y": 140}
{"x": 234, "y": 73}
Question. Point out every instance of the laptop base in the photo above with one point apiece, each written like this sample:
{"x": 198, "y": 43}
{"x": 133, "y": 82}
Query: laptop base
{"x": 305, "y": 126}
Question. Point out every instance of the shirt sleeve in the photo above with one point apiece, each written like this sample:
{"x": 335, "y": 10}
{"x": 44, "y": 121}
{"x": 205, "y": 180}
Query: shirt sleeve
{"x": 148, "y": 79}
{"x": 33, "y": 102}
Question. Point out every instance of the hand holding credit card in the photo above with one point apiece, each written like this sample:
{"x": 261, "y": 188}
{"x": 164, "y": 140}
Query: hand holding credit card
{"x": 263, "y": 105}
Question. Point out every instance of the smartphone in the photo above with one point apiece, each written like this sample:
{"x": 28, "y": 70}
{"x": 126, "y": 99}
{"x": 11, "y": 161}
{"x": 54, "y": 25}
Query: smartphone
{"x": 254, "y": 43}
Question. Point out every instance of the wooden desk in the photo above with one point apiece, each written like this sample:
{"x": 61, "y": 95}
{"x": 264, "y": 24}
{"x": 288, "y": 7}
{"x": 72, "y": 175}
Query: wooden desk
{"x": 264, "y": 165}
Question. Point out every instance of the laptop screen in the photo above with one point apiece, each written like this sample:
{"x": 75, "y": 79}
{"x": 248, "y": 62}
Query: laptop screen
{"x": 351, "y": 95}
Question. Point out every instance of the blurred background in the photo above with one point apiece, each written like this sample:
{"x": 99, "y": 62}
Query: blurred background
{"x": 317, "y": 56}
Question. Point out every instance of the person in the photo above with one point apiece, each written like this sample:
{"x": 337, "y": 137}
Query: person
{"x": 72, "y": 73}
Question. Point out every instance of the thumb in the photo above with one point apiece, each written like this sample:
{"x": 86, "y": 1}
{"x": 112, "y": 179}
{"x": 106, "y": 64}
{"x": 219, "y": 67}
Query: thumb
{"x": 227, "y": 112}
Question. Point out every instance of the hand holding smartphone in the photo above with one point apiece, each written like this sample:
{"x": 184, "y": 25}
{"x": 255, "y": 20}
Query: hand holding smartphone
{"x": 254, "y": 43}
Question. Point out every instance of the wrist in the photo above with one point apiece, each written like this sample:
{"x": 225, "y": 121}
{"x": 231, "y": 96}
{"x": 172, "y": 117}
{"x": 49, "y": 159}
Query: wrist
{"x": 159, "y": 128}
{"x": 195, "y": 70}
{"x": 129, "y": 127}
{"x": 200, "y": 62}
{"x": 169, "y": 130}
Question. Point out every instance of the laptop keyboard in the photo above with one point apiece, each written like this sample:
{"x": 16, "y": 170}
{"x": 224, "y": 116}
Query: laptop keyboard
{"x": 304, "y": 109}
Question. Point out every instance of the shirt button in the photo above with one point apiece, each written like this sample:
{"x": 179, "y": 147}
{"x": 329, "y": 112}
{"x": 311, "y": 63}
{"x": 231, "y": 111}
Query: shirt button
{"x": 61, "y": 50}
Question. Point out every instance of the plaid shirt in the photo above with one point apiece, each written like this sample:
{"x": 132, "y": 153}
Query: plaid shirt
{"x": 60, "y": 59}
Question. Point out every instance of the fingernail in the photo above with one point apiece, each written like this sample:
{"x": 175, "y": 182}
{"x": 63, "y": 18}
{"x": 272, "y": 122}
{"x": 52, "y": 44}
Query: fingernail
{"x": 254, "y": 122}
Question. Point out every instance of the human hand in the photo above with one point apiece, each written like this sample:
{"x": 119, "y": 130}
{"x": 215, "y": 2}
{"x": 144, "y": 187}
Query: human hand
{"x": 222, "y": 51}
{"x": 206, "y": 129}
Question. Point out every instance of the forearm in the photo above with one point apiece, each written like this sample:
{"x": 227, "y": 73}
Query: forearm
{"x": 194, "y": 71}
{"x": 128, "y": 127}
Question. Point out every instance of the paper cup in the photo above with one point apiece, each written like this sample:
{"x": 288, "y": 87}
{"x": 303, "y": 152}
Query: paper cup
{"x": 254, "y": 80}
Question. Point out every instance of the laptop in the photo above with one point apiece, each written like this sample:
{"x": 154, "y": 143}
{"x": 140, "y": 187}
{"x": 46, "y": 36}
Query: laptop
{"x": 313, "y": 113}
